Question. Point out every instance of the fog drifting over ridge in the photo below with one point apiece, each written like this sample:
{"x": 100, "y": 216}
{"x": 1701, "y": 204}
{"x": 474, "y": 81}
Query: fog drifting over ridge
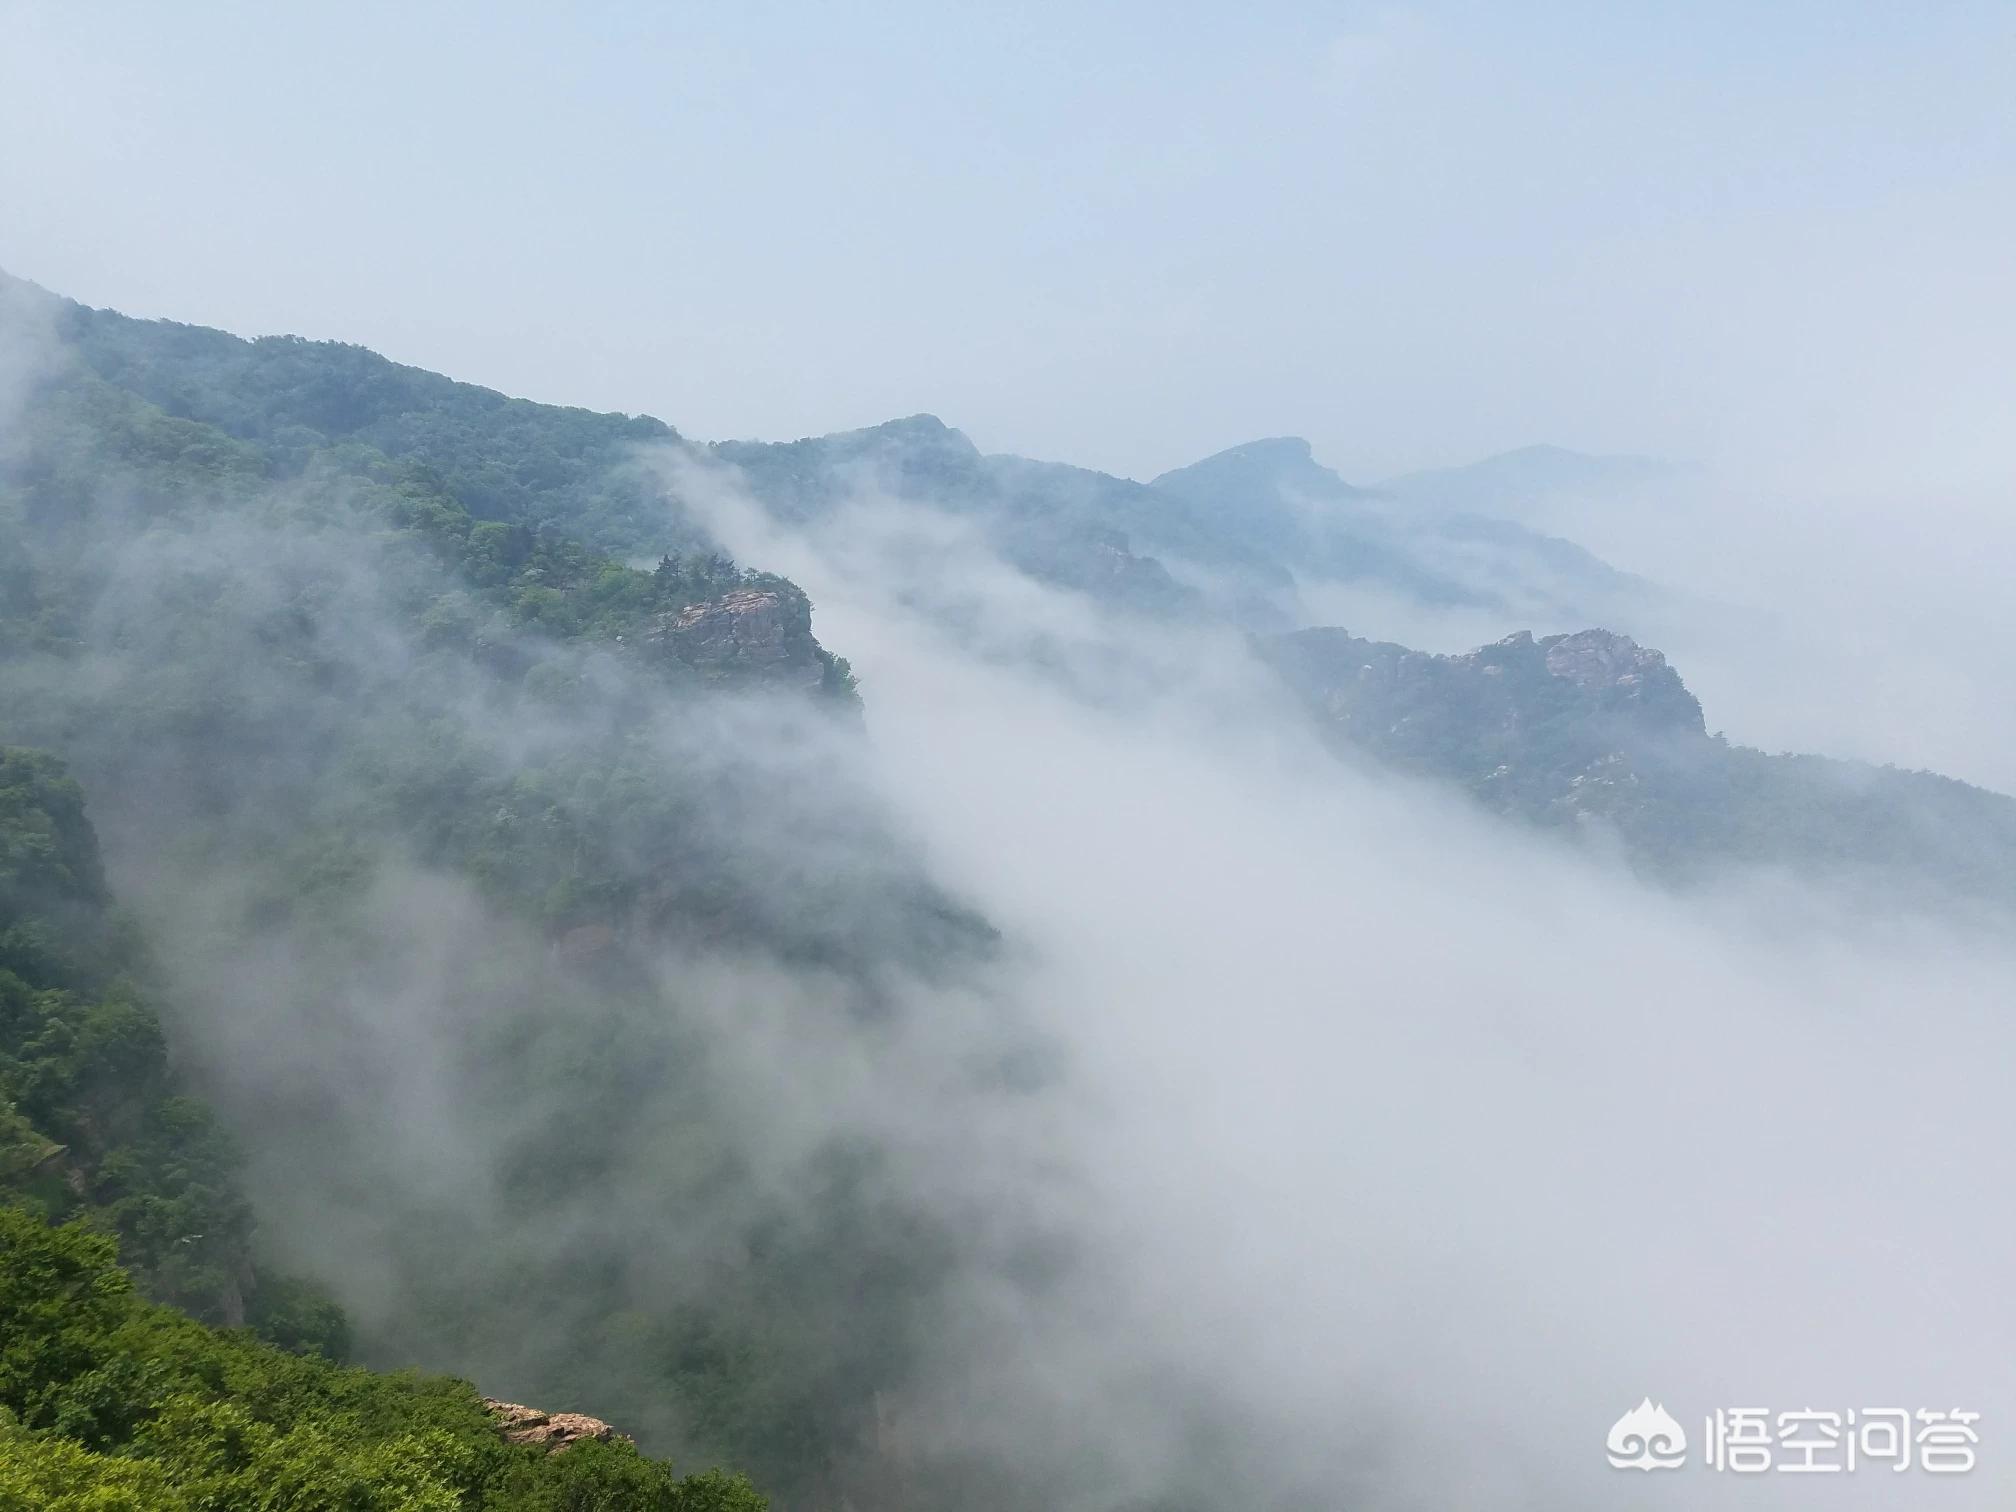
{"x": 1431, "y": 1146}
{"x": 1061, "y": 1083}
{"x": 1808, "y": 611}
{"x": 1853, "y": 616}
{"x": 1368, "y": 1116}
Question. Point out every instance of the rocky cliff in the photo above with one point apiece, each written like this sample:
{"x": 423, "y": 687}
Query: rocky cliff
{"x": 553, "y": 1431}
{"x": 1566, "y": 699}
{"x": 1594, "y": 732}
{"x": 759, "y": 634}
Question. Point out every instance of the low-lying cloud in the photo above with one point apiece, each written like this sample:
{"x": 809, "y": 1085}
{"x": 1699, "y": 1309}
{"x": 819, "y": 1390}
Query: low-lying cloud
{"x": 1300, "y": 1137}
{"x": 1418, "y": 1148}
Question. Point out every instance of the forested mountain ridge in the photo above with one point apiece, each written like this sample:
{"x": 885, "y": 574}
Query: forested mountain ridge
{"x": 502, "y": 460}
{"x": 1593, "y": 732}
{"x": 445, "y": 829}
{"x": 1277, "y": 497}
{"x": 1069, "y": 527}
{"x": 1240, "y": 536}
{"x": 1236, "y": 535}
{"x": 527, "y": 898}
{"x": 171, "y": 419}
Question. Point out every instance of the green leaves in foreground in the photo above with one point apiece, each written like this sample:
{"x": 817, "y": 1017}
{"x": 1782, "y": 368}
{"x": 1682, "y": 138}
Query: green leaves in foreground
{"x": 109, "y": 1403}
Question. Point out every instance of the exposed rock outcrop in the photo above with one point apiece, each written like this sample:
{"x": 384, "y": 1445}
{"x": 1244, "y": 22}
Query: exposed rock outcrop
{"x": 1616, "y": 670}
{"x": 765, "y": 633}
{"x": 1605, "y": 687}
{"x": 1596, "y": 734}
{"x": 519, "y": 1424}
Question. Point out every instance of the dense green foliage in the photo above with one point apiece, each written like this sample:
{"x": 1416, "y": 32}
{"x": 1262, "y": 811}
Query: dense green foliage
{"x": 1256, "y": 517}
{"x": 503, "y": 461}
{"x": 430, "y": 817}
{"x": 480, "y": 850}
{"x": 90, "y": 454}
{"x": 109, "y": 1403}
{"x": 91, "y": 1121}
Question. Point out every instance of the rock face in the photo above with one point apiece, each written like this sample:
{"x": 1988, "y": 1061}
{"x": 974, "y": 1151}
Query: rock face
{"x": 519, "y": 1424}
{"x": 1563, "y": 698}
{"x": 1618, "y": 672}
{"x": 1567, "y": 728}
{"x": 1596, "y": 734}
{"x": 765, "y": 633}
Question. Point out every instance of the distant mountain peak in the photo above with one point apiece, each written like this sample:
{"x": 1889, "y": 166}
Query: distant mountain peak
{"x": 1286, "y": 464}
{"x": 920, "y": 432}
{"x": 920, "y": 424}
{"x": 1274, "y": 449}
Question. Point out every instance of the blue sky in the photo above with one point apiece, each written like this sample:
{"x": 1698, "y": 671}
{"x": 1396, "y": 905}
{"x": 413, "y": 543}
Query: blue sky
{"x": 1126, "y": 235}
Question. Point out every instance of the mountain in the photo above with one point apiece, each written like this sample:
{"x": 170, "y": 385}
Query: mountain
{"x": 1237, "y": 536}
{"x": 1274, "y": 473}
{"x": 1594, "y": 735}
{"x": 1065, "y": 526}
{"x": 107, "y": 1401}
{"x": 302, "y": 402}
{"x": 1233, "y": 535}
{"x": 516, "y": 946}
{"x": 446, "y": 827}
{"x": 94, "y": 1123}
{"x": 131, "y": 424}
{"x": 1318, "y": 528}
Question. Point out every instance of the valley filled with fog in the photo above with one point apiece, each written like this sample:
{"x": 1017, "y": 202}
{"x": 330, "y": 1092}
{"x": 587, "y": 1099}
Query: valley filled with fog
{"x": 1029, "y": 762}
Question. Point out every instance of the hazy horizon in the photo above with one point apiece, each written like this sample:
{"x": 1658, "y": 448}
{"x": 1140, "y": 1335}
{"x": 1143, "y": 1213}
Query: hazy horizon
{"x": 1450, "y": 465}
{"x": 1416, "y": 235}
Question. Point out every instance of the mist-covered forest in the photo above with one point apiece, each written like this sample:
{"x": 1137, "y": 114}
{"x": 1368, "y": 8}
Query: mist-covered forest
{"x": 887, "y": 975}
{"x": 366, "y": 745}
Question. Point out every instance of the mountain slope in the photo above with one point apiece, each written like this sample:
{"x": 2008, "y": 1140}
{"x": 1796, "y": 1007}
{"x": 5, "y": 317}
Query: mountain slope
{"x": 109, "y": 1403}
{"x": 537, "y": 920}
{"x": 1233, "y": 537}
{"x": 1593, "y": 733}
{"x": 1320, "y": 528}
{"x": 501, "y": 459}
{"x": 86, "y": 454}
{"x": 1066, "y": 526}
{"x": 90, "y": 1119}
{"x": 458, "y": 841}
